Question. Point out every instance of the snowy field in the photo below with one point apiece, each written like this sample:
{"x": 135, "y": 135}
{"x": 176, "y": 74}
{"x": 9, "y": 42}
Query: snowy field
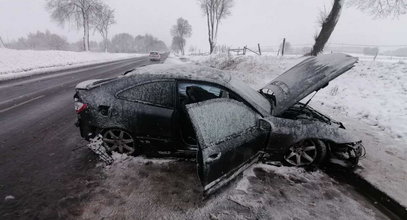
{"x": 20, "y": 63}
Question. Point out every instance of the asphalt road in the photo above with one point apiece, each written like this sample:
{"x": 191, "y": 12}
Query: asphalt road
{"x": 39, "y": 166}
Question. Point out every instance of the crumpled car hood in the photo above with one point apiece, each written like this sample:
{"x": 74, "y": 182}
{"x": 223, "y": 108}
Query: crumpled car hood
{"x": 306, "y": 77}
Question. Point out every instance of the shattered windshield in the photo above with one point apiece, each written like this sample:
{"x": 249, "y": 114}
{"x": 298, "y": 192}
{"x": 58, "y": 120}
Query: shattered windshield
{"x": 250, "y": 94}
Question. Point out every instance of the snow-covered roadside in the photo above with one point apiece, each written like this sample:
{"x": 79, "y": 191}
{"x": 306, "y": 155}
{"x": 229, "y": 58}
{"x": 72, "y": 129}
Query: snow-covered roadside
{"x": 21, "y": 63}
{"x": 142, "y": 188}
{"x": 385, "y": 165}
{"x": 371, "y": 100}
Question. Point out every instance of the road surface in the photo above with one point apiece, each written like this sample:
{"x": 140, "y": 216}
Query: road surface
{"x": 39, "y": 167}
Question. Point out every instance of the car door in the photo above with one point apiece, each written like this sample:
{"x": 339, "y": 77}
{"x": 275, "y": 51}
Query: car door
{"x": 230, "y": 137}
{"x": 148, "y": 109}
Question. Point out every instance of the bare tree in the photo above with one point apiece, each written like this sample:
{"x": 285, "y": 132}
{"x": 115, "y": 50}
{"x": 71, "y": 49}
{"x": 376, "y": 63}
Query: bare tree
{"x": 80, "y": 11}
{"x": 328, "y": 26}
{"x": 377, "y": 8}
{"x": 381, "y": 8}
{"x": 215, "y": 11}
{"x": 179, "y": 32}
{"x": 103, "y": 20}
{"x": 176, "y": 42}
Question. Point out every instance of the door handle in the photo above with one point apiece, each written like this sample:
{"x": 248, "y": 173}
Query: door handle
{"x": 214, "y": 157}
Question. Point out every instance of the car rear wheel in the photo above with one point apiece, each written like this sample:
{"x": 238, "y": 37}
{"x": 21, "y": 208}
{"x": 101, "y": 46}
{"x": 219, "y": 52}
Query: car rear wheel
{"x": 120, "y": 141}
{"x": 305, "y": 153}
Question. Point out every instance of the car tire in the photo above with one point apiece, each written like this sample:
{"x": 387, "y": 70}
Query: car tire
{"x": 306, "y": 153}
{"x": 120, "y": 141}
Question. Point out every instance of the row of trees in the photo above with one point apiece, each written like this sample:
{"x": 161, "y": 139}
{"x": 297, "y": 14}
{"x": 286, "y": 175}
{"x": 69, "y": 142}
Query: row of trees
{"x": 126, "y": 43}
{"x": 120, "y": 43}
{"x": 41, "y": 41}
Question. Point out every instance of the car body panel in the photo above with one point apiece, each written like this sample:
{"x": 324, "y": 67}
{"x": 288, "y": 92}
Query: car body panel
{"x": 306, "y": 77}
{"x": 229, "y": 137}
{"x": 287, "y": 132}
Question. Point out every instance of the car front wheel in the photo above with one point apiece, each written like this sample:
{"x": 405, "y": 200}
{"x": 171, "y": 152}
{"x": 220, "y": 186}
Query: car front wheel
{"x": 305, "y": 153}
{"x": 120, "y": 141}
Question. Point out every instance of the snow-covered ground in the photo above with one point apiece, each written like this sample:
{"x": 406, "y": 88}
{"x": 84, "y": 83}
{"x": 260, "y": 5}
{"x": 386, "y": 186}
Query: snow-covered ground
{"x": 141, "y": 188}
{"x": 371, "y": 100}
{"x": 20, "y": 63}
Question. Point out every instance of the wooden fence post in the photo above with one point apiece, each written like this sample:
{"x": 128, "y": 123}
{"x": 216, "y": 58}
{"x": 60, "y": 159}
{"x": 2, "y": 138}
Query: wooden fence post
{"x": 258, "y": 45}
{"x": 282, "y": 50}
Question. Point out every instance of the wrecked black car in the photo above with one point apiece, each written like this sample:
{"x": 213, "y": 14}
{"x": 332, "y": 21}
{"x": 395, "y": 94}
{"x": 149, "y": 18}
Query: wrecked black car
{"x": 227, "y": 123}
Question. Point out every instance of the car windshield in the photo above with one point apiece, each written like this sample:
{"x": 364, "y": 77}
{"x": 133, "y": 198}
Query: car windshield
{"x": 251, "y": 94}
{"x": 153, "y": 53}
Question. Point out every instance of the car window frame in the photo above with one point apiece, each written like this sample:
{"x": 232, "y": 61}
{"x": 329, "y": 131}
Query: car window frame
{"x": 174, "y": 91}
{"x": 214, "y": 85}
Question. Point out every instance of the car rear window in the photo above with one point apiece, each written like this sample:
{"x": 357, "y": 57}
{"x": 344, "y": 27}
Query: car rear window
{"x": 156, "y": 93}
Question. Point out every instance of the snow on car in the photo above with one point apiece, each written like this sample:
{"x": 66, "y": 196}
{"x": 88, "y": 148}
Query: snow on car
{"x": 227, "y": 123}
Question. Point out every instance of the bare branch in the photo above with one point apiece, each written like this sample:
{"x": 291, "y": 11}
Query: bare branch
{"x": 381, "y": 8}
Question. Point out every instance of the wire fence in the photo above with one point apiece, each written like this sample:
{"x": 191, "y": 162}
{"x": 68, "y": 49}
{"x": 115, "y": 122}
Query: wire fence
{"x": 367, "y": 51}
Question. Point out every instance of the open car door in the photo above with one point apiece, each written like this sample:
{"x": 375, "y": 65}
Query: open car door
{"x": 230, "y": 137}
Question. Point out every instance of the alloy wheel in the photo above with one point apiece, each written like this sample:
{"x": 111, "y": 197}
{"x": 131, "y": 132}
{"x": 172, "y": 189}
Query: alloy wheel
{"x": 119, "y": 141}
{"x": 302, "y": 154}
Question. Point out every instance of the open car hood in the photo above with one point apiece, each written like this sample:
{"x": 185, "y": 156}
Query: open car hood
{"x": 306, "y": 77}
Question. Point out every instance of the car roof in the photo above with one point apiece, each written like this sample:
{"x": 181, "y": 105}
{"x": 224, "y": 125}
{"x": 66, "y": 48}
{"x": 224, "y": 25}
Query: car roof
{"x": 197, "y": 73}
{"x": 182, "y": 71}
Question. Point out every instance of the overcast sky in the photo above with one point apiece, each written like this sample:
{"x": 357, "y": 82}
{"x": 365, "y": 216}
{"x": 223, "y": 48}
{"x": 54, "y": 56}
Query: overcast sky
{"x": 252, "y": 21}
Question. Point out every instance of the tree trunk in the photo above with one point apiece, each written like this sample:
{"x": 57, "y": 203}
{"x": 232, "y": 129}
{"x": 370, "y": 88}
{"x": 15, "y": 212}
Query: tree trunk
{"x": 2, "y": 45}
{"x": 85, "y": 31}
{"x": 328, "y": 27}
{"x": 182, "y": 48}
{"x": 87, "y": 36}
{"x": 211, "y": 46}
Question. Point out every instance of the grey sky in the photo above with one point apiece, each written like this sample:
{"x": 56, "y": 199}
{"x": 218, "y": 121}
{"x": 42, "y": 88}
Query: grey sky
{"x": 251, "y": 22}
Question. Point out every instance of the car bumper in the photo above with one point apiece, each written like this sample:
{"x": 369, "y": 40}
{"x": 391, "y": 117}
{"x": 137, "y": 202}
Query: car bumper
{"x": 347, "y": 155}
{"x": 85, "y": 129}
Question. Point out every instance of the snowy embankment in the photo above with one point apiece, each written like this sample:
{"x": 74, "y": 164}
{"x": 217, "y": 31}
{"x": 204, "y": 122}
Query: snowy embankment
{"x": 142, "y": 188}
{"x": 20, "y": 63}
{"x": 371, "y": 100}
